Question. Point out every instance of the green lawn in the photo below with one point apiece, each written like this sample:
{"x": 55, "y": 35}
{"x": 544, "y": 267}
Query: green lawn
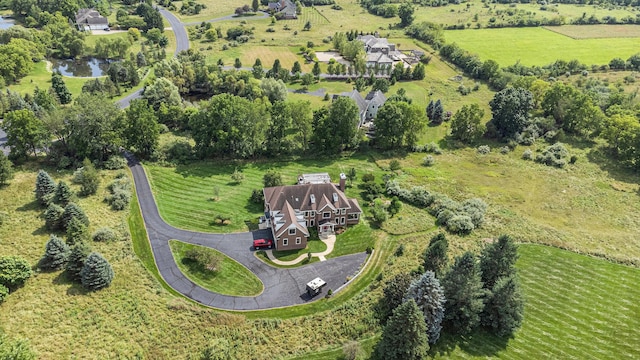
{"x": 314, "y": 246}
{"x": 230, "y": 278}
{"x": 539, "y": 46}
{"x": 186, "y": 194}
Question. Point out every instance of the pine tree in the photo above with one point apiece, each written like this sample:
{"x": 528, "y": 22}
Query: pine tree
{"x": 56, "y": 254}
{"x": 45, "y": 188}
{"x": 77, "y": 232}
{"x": 464, "y": 293}
{"x": 498, "y": 260}
{"x": 60, "y": 88}
{"x": 405, "y": 335}
{"x": 503, "y": 311}
{"x": 435, "y": 257}
{"x": 394, "y": 292}
{"x": 255, "y": 5}
{"x": 6, "y": 169}
{"x": 96, "y": 272}
{"x": 429, "y": 296}
{"x": 237, "y": 64}
{"x": 79, "y": 253}
{"x": 438, "y": 112}
{"x": 316, "y": 69}
{"x": 429, "y": 110}
{"x": 63, "y": 194}
{"x": 53, "y": 217}
{"x": 73, "y": 211}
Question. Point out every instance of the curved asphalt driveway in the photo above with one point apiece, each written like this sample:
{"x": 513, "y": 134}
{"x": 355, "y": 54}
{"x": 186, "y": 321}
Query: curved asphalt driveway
{"x": 282, "y": 287}
{"x": 3, "y": 140}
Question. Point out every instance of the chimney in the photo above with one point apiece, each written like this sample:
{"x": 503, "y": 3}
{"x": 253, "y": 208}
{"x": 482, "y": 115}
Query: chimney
{"x": 343, "y": 182}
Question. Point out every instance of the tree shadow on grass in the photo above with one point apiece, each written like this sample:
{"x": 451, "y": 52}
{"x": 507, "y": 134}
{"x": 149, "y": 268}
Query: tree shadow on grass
{"x": 30, "y": 206}
{"x": 614, "y": 169}
{"x": 477, "y": 343}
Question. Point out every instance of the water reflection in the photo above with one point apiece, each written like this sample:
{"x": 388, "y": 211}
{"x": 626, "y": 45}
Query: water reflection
{"x": 86, "y": 67}
{"x": 6, "y": 23}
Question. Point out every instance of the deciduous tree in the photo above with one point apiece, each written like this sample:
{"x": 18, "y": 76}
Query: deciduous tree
{"x": 510, "y": 108}
{"x": 141, "y": 130}
{"x": 466, "y": 125}
{"x": 25, "y": 133}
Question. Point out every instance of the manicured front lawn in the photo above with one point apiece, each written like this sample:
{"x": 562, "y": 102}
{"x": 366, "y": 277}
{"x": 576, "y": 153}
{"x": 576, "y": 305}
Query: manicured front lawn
{"x": 314, "y": 246}
{"x": 230, "y": 277}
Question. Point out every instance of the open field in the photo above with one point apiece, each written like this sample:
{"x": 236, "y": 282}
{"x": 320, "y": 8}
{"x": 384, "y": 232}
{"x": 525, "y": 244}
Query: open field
{"x": 465, "y": 13}
{"x": 230, "y": 277}
{"x": 538, "y": 46}
{"x": 597, "y": 31}
{"x": 214, "y": 10}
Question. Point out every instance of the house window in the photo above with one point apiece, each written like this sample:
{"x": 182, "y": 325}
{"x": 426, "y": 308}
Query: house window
{"x": 313, "y": 213}
{"x": 352, "y": 216}
{"x": 306, "y": 213}
{"x": 342, "y": 220}
{"x": 285, "y": 242}
{"x": 298, "y": 241}
{"x": 292, "y": 231}
{"x": 326, "y": 215}
{"x": 343, "y": 211}
{"x": 313, "y": 222}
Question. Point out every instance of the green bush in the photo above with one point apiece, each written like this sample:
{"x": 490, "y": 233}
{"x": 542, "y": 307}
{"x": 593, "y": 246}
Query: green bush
{"x": 394, "y": 165}
{"x": 554, "y": 155}
{"x": 527, "y": 155}
{"x": 104, "y": 234}
{"x": 115, "y": 162}
{"x": 483, "y": 149}
{"x": 428, "y": 160}
{"x": 460, "y": 224}
{"x": 14, "y": 271}
{"x": 204, "y": 257}
{"x": 96, "y": 272}
{"x": 4, "y": 292}
{"x": 120, "y": 196}
{"x": 88, "y": 178}
{"x": 257, "y": 196}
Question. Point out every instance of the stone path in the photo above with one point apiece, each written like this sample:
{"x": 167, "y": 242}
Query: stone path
{"x": 329, "y": 241}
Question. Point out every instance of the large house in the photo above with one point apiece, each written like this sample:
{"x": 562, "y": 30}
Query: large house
{"x": 368, "y": 105}
{"x": 379, "y": 51}
{"x": 284, "y": 9}
{"x": 315, "y": 202}
{"x": 90, "y": 19}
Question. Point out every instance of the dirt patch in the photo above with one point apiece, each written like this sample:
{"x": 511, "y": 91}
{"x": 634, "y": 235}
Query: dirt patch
{"x": 326, "y": 56}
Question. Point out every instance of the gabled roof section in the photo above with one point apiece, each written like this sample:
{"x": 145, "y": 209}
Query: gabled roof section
{"x": 355, "y": 95}
{"x": 289, "y": 218}
{"x": 376, "y": 97}
{"x": 355, "y": 207}
{"x": 324, "y": 202}
{"x": 90, "y": 16}
{"x": 299, "y": 197}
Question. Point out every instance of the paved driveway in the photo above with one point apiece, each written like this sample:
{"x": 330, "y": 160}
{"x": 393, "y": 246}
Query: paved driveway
{"x": 3, "y": 140}
{"x": 282, "y": 287}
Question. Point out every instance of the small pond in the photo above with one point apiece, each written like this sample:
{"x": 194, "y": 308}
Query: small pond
{"x": 86, "y": 67}
{"x": 6, "y": 23}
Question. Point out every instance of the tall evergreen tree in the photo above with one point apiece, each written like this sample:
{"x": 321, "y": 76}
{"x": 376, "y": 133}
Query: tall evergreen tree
{"x": 429, "y": 296}
{"x": 498, "y": 260}
{"x": 503, "y": 310}
{"x": 258, "y": 70}
{"x": 405, "y": 335}
{"x": 63, "y": 194}
{"x": 60, "y": 88}
{"x": 464, "y": 293}
{"x": 6, "y": 169}
{"x": 96, "y": 272}
{"x": 56, "y": 254}
{"x": 394, "y": 293}
{"x": 45, "y": 188}
{"x": 79, "y": 253}
{"x": 438, "y": 112}
{"x": 316, "y": 69}
{"x": 435, "y": 257}
{"x": 53, "y": 217}
{"x": 73, "y": 211}
{"x": 77, "y": 231}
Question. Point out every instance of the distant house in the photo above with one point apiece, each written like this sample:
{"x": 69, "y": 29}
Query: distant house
{"x": 284, "y": 9}
{"x": 379, "y": 50}
{"x": 90, "y": 19}
{"x": 368, "y": 106}
{"x": 314, "y": 202}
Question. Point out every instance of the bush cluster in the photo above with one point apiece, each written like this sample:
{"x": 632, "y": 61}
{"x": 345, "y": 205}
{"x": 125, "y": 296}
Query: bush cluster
{"x": 428, "y": 148}
{"x": 483, "y": 149}
{"x": 554, "y": 155}
{"x": 457, "y": 217}
{"x": 119, "y": 193}
{"x": 104, "y": 234}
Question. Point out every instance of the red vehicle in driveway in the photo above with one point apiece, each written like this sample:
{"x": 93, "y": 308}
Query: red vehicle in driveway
{"x": 262, "y": 243}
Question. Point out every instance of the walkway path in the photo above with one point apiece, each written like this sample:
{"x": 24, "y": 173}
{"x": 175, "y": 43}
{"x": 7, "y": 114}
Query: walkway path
{"x": 282, "y": 287}
{"x": 329, "y": 241}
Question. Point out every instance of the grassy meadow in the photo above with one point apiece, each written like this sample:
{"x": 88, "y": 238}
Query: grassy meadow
{"x": 229, "y": 278}
{"x": 539, "y": 46}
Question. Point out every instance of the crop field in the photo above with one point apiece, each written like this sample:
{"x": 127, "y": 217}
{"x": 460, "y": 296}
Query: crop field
{"x": 465, "y": 13}
{"x": 597, "y": 31}
{"x": 538, "y": 46}
{"x": 230, "y": 277}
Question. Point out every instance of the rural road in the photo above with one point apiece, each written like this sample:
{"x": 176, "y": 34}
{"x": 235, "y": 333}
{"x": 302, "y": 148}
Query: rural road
{"x": 182, "y": 43}
{"x": 282, "y": 287}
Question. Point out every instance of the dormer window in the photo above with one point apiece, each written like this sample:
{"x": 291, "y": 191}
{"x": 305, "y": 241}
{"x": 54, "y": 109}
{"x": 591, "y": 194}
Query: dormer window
{"x": 312, "y": 198}
{"x": 292, "y": 231}
{"x": 335, "y": 197}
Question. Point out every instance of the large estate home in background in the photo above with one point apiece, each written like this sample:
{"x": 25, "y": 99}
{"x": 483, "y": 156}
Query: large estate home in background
{"x": 368, "y": 105}
{"x": 315, "y": 202}
{"x": 379, "y": 51}
{"x": 283, "y": 9}
{"x": 90, "y": 19}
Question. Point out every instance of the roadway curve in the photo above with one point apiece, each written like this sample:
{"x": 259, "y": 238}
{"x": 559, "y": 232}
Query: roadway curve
{"x": 182, "y": 43}
{"x": 282, "y": 287}
{"x": 3, "y": 140}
